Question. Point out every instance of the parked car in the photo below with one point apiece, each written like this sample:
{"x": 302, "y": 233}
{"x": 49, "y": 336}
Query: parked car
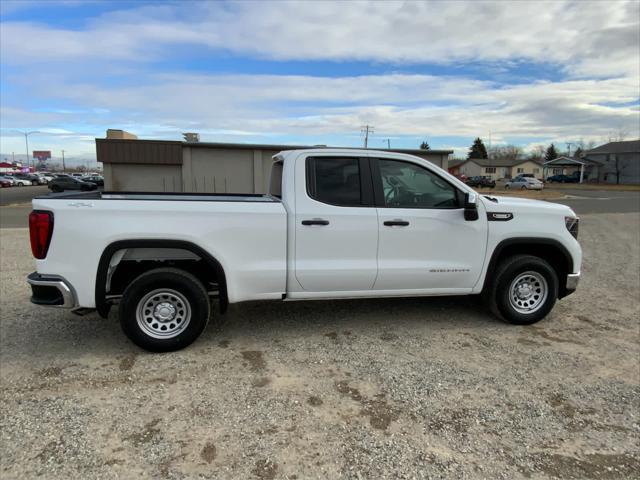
{"x": 336, "y": 223}
{"x": 32, "y": 177}
{"x": 5, "y": 183}
{"x": 563, "y": 179}
{"x": 10, "y": 179}
{"x": 524, "y": 183}
{"x": 481, "y": 182}
{"x": 22, "y": 180}
{"x": 38, "y": 179}
{"x": 76, "y": 174}
{"x": 60, "y": 184}
{"x": 46, "y": 175}
{"x": 97, "y": 179}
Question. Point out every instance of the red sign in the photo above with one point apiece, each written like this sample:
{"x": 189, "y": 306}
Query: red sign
{"x": 42, "y": 155}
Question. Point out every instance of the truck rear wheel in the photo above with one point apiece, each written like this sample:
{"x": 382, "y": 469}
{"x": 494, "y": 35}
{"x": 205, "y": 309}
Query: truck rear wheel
{"x": 164, "y": 309}
{"x": 523, "y": 291}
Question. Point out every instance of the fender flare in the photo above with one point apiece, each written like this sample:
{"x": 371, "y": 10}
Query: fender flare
{"x": 537, "y": 241}
{"x": 103, "y": 307}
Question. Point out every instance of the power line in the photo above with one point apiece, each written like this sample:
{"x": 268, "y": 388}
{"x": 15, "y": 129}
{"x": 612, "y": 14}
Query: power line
{"x": 366, "y": 129}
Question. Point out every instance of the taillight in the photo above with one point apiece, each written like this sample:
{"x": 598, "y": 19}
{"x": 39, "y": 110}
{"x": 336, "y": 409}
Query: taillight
{"x": 40, "y": 231}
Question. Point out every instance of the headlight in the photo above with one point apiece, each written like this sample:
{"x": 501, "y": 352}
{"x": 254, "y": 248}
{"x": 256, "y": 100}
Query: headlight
{"x": 572, "y": 225}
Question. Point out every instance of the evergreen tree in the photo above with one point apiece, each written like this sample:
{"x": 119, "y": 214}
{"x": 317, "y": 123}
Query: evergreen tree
{"x": 578, "y": 153}
{"x": 425, "y": 146}
{"x": 477, "y": 150}
{"x": 551, "y": 153}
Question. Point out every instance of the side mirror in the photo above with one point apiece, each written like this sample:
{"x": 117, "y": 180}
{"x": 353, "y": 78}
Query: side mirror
{"x": 471, "y": 207}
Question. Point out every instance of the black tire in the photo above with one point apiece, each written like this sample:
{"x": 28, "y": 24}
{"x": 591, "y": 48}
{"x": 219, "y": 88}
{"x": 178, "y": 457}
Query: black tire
{"x": 20, "y": 184}
{"x": 497, "y": 293}
{"x": 171, "y": 279}
{"x": 56, "y": 189}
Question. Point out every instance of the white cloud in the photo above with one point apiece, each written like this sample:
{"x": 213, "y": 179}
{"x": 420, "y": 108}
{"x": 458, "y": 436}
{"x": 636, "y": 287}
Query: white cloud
{"x": 585, "y": 38}
{"x": 595, "y": 44}
{"x": 396, "y": 104}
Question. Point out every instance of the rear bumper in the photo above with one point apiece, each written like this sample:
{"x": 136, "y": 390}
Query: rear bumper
{"x": 51, "y": 291}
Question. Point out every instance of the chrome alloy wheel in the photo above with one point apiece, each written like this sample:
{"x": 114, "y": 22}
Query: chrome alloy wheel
{"x": 528, "y": 292}
{"x": 163, "y": 313}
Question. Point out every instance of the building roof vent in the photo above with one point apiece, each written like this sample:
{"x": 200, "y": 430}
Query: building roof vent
{"x": 191, "y": 137}
{"x": 113, "y": 133}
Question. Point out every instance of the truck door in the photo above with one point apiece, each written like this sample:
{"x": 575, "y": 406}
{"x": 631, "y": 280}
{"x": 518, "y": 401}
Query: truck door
{"x": 425, "y": 243}
{"x": 336, "y": 224}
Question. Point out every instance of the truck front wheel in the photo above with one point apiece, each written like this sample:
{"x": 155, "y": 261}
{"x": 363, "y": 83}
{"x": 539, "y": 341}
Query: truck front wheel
{"x": 523, "y": 291}
{"x": 164, "y": 309}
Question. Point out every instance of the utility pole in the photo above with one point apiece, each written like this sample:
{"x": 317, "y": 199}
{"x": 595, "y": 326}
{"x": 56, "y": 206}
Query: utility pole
{"x": 63, "y": 167}
{"x": 388, "y": 143}
{"x": 366, "y": 129}
{"x": 26, "y": 141}
{"x": 568, "y": 144}
{"x": 13, "y": 157}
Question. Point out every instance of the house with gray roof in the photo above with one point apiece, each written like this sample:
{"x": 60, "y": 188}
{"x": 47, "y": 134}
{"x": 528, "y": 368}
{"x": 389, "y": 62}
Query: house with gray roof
{"x": 620, "y": 162}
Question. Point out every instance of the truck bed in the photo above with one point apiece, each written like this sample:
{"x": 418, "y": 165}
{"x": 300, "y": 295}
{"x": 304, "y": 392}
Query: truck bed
{"x": 246, "y": 234}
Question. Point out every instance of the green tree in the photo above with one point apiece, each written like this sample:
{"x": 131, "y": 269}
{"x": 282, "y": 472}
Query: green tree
{"x": 477, "y": 150}
{"x": 425, "y": 146}
{"x": 551, "y": 153}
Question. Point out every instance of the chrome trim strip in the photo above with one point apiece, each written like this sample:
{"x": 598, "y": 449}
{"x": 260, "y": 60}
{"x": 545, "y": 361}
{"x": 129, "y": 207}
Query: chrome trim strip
{"x": 572, "y": 281}
{"x": 68, "y": 296}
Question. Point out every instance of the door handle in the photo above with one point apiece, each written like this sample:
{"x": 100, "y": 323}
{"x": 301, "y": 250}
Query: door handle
{"x": 396, "y": 223}
{"x": 315, "y": 221}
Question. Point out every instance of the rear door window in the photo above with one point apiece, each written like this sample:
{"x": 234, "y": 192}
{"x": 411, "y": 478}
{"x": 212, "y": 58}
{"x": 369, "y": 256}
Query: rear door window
{"x": 337, "y": 181}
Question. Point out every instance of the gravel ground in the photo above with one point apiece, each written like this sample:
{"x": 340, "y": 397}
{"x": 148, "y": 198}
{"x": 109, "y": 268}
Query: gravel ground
{"x": 402, "y": 388}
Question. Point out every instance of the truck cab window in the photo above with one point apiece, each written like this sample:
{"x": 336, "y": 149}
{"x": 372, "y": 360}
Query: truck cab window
{"x": 275, "y": 181}
{"x": 335, "y": 181}
{"x": 406, "y": 185}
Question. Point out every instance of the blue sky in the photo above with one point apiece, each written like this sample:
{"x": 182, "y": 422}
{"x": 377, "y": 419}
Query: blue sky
{"x": 524, "y": 73}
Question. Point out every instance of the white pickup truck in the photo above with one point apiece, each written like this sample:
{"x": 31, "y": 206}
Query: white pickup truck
{"x": 337, "y": 223}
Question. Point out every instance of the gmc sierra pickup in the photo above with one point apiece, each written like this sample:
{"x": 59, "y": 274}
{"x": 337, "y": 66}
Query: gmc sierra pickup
{"x": 337, "y": 223}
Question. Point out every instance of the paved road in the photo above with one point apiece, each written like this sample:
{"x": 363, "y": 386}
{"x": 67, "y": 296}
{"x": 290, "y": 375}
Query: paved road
{"x": 15, "y": 195}
{"x": 15, "y": 203}
{"x": 601, "y": 201}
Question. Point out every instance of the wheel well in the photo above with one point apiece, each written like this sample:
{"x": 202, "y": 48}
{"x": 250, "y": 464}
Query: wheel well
{"x": 123, "y": 261}
{"x": 549, "y": 250}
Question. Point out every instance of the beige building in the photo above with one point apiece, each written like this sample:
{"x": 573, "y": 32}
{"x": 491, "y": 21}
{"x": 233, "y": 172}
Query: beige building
{"x": 171, "y": 166}
{"x": 496, "y": 169}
